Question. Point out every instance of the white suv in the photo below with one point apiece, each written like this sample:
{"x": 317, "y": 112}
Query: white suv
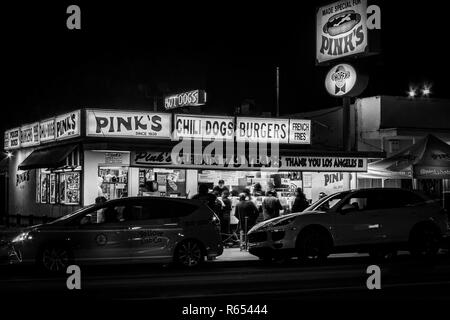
{"x": 377, "y": 221}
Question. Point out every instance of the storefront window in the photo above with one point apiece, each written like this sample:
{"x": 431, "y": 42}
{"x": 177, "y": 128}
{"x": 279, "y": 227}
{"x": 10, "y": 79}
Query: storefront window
{"x": 52, "y": 193}
{"x": 114, "y": 182}
{"x": 162, "y": 182}
{"x": 44, "y": 178}
{"x": 258, "y": 182}
{"x": 284, "y": 183}
{"x": 58, "y": 187}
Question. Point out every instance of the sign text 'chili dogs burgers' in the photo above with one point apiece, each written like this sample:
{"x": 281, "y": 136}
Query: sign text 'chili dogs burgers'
{"x": 341, "y": 30}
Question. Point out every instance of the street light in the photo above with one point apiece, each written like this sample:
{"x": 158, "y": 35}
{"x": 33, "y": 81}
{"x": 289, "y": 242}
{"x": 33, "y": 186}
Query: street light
{"x": 426, "y": 90}
{"x": 412, "y": 92}
{"x": 9, "y": 155}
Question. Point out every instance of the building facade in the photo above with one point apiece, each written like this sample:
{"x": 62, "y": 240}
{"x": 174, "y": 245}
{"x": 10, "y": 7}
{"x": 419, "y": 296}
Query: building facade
{"x": 63, "y": 163}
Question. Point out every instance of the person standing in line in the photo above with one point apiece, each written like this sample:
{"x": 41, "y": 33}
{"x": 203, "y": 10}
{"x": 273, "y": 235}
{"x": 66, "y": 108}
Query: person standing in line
{"x": 246, "y": 209}
{"x": 300, "y": 202}
{"x": 271, "y": 206}
{"x": 204, "y": 195}
{"x": 220, "y": 188}
{"x": 226, "y": 212}
{"x": 99, "y": 201}
{"x": 257, "y": 190}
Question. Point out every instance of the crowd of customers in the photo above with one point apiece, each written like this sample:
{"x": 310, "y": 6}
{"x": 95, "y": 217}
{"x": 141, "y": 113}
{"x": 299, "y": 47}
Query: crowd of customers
{"x": 239, "y": 211}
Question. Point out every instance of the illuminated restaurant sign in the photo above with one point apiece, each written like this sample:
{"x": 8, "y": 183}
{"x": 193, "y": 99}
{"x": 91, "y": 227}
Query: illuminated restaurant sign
{"x": 247, "y": 160}
{"x": 128, "y": 124}
{"x": 202, "y": 127}
{"x": 185, "y": 99}
{"x": 341, "y": 30}
{"x": 68, "y": 125}
{"x": 203, "y": 160}
{"x": 340, "y": 80}
{"x": 309, "y": 163}
{"x": 12, "y": 139}
{"x": 47, "y": 130}
{"x": 262, "y": 130}
{"x": 299, "y": 131}
{"x": 29, "y": 135}
{"x": 343, "y": 80}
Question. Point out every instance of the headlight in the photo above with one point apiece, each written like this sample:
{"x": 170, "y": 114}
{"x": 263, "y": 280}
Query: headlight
{"x": 22, "y": 237}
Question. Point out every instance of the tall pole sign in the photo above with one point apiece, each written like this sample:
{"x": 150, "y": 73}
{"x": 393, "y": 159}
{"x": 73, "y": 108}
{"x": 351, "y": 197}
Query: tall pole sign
{"x": 342, "y": 32}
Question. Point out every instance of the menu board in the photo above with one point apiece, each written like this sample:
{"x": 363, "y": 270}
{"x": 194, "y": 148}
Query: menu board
{"x": 72, "y": 192}
{"x": 44, "y": 187}
{"x": 52, "y": 188}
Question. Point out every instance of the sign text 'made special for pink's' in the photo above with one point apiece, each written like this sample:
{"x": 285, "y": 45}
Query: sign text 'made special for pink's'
{"x": 341, "y": 29}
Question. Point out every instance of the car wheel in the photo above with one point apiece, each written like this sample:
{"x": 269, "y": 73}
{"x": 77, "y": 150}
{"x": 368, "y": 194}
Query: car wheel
{"x": 313, "y": 244}
{"x": 55, "y": 259}
{"x": 189, "y": 254}
{"x": 424, "y": 242}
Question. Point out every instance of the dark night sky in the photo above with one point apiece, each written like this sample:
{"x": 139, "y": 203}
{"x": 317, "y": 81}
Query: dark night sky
{"x": 127, "y": 52}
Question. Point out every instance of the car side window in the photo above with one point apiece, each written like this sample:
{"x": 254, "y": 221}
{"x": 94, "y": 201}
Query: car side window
{"x": 160, "y": 210}
{"x": 356, "y": 202}
{"x": 406, "y": 198}
{"x": 396, "y": 199}
{"x": 359, "y": 203}
{"x": 105, "y": 214}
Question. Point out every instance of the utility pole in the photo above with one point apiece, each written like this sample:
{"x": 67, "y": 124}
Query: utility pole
{"x": 278, "y": 92}
{"x": 346, "y": 123}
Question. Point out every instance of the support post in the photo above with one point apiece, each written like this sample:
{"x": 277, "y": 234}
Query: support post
{"x": 346, "y": 124}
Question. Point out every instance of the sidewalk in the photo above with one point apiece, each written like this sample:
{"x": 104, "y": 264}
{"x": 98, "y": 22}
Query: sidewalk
{"x": 235, "y": 254}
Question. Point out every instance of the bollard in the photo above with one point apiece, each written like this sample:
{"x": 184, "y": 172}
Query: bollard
{"x": 241, "y": 240}
{"x": 245, "y": 235}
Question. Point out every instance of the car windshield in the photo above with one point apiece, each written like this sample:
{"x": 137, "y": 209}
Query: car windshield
{"x": 70, "y": 215}
{"x": 327, "y": 203}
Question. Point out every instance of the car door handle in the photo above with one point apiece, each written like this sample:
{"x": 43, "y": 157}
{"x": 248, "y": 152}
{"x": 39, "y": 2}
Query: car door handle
{"x": 170, "y": 225}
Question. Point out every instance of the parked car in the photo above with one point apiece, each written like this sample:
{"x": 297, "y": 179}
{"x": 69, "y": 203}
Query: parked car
{"x": 125, "y": 230}
{"x": 377, "y": 221}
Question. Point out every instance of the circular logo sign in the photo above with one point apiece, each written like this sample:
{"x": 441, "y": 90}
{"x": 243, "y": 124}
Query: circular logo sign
{"x": 340, "y": 80}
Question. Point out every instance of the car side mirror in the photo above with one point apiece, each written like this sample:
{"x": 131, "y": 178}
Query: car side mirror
{"x": 347, "y": 208}
{"x": 85, "y": 220}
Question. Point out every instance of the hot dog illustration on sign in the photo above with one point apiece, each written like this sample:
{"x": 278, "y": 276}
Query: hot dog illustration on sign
{"x": 342, "y": 22}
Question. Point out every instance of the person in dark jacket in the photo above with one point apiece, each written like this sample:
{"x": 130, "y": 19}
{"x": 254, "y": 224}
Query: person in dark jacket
{"x": 205, "y": 196}
{"x": 246, "y": 209}
{"x": 226, "y": 212}
{"x": 271, "y": 206}
{"x": 257, "y": 190}
{"x": 300, "y": 202}
{"x": 220, "y": 188}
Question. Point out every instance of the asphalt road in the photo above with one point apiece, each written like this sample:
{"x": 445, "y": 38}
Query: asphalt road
{"x": 339, "y": 280}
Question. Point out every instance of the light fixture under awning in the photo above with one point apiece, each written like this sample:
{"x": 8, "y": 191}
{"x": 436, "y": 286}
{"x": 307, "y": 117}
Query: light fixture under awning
{"x": 48, "y": 158}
